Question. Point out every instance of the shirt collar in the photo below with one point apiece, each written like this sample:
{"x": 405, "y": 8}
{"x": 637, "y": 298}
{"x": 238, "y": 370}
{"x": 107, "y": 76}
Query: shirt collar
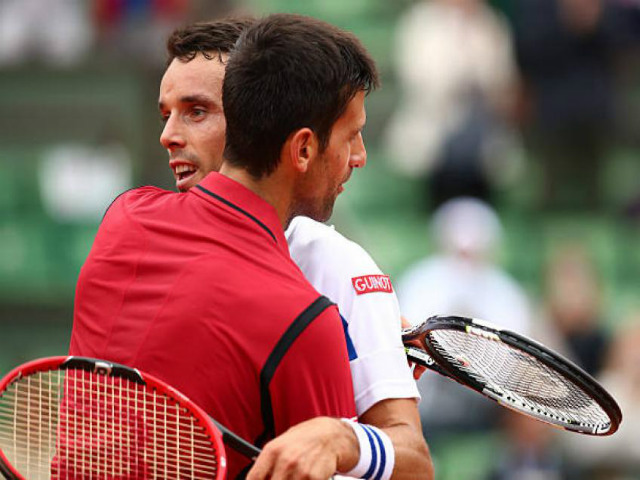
{"x": 241, "y": 198}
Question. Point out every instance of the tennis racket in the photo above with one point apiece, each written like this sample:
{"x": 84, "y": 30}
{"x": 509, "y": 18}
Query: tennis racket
{"x": 515, "y": 371}
{"x": 80, "y": 418}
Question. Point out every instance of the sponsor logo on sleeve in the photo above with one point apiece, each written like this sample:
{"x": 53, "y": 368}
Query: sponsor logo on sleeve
{"x": 372, "y": 283}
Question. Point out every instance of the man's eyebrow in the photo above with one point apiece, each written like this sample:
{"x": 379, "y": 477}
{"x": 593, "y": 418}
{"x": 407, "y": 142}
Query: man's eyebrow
{"x": 196, "y": 99}
{"x": 204, "y": 99}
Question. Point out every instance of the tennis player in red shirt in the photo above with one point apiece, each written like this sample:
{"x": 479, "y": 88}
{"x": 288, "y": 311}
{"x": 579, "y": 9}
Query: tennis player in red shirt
{"x": 197, "y": 56}
{"x": 199, "y": 288}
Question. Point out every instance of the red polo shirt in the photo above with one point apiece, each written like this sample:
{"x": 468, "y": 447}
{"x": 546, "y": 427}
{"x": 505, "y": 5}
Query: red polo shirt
{"x": 199, "y": 290}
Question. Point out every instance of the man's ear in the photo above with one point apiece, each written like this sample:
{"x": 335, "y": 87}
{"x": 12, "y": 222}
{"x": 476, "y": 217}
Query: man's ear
{"x": 303, "y": 149}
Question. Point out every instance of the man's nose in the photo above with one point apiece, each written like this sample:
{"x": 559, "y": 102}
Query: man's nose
{"x": 358, "y": 157}
{"x": 171, "y": 136}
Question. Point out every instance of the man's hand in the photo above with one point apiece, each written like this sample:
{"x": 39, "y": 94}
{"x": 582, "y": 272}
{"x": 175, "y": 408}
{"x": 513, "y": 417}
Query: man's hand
{"x": 418, "y": 370}
{"x": 314, "y": 450}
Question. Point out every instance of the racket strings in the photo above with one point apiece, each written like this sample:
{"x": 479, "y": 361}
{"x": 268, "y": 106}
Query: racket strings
{"x": 84, "y": 425}
{"x": 519, "y": 379}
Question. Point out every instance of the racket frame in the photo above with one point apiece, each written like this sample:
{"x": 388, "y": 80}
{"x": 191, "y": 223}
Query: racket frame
{"x": 102, "y": 367}
{"x": 433, "y": 360}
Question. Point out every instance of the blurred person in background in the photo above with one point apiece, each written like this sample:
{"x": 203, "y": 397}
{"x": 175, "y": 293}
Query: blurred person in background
{"x": 616, "y": 457}
{"x": 462, "y": 278}
{"x": 565, "y": 51}
{"x": 136, "y": 29}
{"x": 574, "y": 324}
{"x": 457, "y": 75}
{"x": 56, "y": 32}
{"x": 529, "y": 451}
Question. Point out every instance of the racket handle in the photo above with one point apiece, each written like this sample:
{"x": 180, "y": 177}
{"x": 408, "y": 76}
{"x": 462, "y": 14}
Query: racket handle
{"x": 420, "y": 357}
{"x": 236, "y": 442}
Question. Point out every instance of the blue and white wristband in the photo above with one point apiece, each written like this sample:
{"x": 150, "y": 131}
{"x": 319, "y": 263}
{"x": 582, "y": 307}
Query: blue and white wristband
{"x": 377, "y": 455}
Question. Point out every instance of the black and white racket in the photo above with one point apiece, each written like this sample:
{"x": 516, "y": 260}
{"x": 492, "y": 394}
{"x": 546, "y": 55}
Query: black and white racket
{"x": 80, "y": 418}
{"x": 515, "y": 371}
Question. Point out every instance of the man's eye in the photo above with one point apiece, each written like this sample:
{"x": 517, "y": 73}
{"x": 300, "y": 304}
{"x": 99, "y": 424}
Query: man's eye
{"x": 198, "y": 112}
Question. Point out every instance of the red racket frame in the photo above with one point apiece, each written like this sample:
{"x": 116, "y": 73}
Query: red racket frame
{"x": 113, "y": 369}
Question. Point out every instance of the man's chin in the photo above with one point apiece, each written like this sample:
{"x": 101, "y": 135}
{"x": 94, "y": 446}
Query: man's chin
{"x": 318, "y": 209}
{"x": 324, "y": 214}
{"x": 185, "y": 184}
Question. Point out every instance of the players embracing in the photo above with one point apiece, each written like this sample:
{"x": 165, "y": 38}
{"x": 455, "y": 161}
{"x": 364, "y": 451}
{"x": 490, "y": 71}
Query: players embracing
{"x": 290, "y": 135}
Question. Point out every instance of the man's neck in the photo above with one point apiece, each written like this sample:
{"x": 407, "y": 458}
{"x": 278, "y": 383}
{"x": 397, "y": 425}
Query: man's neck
{"x": 273, "y": 189}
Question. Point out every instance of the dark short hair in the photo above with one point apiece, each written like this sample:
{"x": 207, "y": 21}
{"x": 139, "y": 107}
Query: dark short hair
{"x": 217, "y": 37}
{"x": 289, "y": 72}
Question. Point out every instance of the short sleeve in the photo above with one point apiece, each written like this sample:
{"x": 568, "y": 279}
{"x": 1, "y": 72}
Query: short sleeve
{"x": 344, "y": 272}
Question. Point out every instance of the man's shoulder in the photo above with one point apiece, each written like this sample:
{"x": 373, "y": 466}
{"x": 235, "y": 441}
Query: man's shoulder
{"x": 149, "y": 193}
{"x": 139, "y": 196}
{"x": 317, "y": 240}
{"x": 304, "y": 229}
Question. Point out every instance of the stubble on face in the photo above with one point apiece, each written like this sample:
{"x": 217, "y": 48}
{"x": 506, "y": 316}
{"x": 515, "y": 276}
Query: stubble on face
{"x": 310, "y": 200}
{"x": 332, "y": 168}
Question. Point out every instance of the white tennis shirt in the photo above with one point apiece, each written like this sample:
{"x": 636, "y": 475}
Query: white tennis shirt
{"x": 345, "y": 273}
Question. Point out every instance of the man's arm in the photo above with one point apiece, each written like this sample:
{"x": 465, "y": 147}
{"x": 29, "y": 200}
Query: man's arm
{"x": 400, "y": 420}
{"x": 322, "y": 446}
{"x": 319, "y": 447}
